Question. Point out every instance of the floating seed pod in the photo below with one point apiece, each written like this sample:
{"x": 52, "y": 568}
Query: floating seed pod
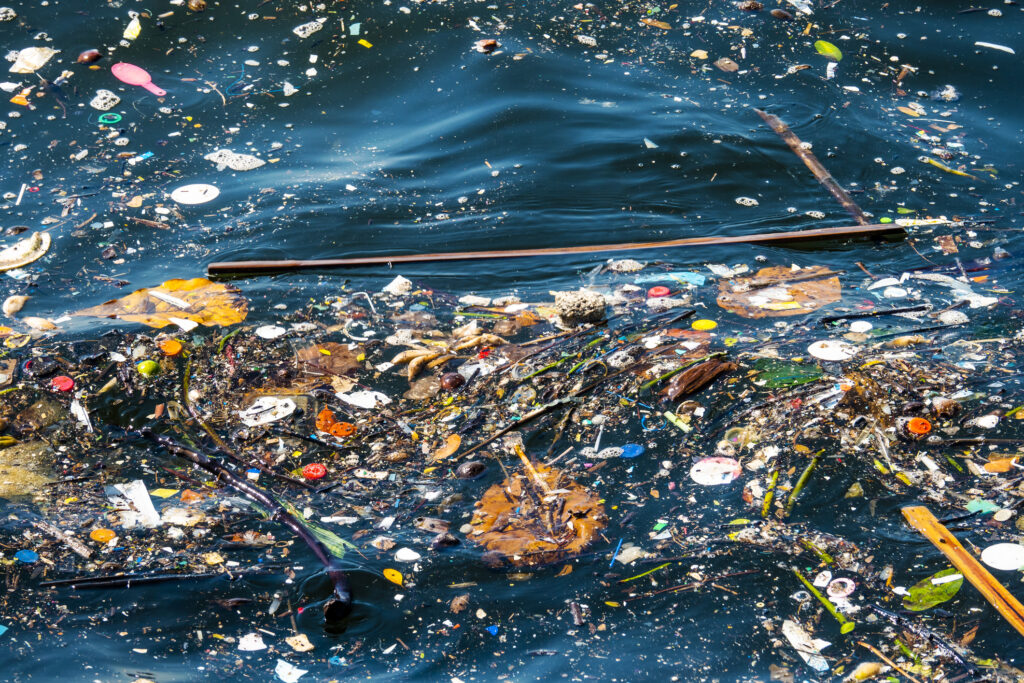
{"x": 452, "y": 380}
{"x": 89, "y": 56}
{"x": 470, "y": 470}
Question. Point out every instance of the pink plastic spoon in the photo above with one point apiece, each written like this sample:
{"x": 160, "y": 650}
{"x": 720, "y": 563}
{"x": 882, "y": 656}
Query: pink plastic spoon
{"x": 135, "y": 75}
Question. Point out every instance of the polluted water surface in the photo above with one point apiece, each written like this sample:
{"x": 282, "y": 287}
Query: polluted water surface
{"x": 726, "y": 458}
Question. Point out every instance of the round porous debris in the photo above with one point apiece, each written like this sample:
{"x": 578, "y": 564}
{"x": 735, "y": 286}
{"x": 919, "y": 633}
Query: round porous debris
{"x": 953, "y": 318}
{"x": 715, "y": 471}
{"x": 829, "y": 349}
{"x": 1007, "y": 557}
{"x": 195, "y": 194}
{"x": 746, "y": 201}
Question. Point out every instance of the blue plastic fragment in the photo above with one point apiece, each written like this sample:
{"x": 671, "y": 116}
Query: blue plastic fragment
{"x": 493, "y": 630}
{"x": 27, "y": 556}
{"x": 632, "y": 450}
{"x": 336, "y": 661}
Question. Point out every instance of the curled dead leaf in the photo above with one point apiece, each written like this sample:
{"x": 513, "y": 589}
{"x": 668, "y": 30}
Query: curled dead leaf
{"x": 535, "y": 519}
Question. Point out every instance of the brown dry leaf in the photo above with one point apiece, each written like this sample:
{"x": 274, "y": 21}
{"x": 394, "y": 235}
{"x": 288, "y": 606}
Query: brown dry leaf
{"x": 779, "y": 291}
{"x": 726, "y": 64}
{"x": 656, "y": 24}
{"x": 207, "y": 303}
{"x": 451, "y": 445}
{"x": 524, "y": 525}
{"x": 566, "y": 570}
{"x": 329, "y": 358}
{"x": 459, "y": 603}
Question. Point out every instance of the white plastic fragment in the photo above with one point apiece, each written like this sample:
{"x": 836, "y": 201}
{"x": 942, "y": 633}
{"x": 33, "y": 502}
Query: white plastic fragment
{"x": 994, "y": 46}
{"x": 804, "y": 646}
{"x": 134, "y": 505}
{"x": 364, "y": 399}
{"x": 31, "y": 58}
{"x": 747, "y": 201}
{"x": 288, "y": 672}
{"x": 251, "y": 642}
{"x": 267, "y": 409}
{"x": 7, "y": 14}
{"x": 406, "y": 555}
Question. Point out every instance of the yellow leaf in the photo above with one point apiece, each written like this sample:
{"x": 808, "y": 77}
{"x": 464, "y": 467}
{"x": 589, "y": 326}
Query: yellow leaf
{"x": 565, "y": 571}
{"x": 908, "y": 111}
{"x": 801, "y": 448}
{"x": 393, "y": 575}
{"x": 199, "y": 300}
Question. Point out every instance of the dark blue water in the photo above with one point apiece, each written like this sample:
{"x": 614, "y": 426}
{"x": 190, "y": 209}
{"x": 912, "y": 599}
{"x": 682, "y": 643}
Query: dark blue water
{"x": 417, "y": 142}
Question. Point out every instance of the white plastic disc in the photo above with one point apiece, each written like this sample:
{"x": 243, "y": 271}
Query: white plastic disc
{"x": 195, "y": 194}
{"x": 1005, "y": 556}
{"x": 830, "y": 349}
{"x": 860, "y": 326}
{"x": 270, "y": 331}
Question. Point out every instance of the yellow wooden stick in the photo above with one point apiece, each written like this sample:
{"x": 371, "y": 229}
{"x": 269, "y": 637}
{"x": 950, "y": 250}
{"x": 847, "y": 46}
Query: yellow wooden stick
{"x": 924, "y": 521}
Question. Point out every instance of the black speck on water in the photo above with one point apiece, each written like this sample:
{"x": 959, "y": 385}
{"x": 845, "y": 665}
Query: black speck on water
{"x": 387, "y": 131}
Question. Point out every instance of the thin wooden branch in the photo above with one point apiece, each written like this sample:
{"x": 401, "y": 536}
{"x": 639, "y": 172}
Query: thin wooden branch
{"x": 819, "y": 171}
{"x": 854, "y": 231}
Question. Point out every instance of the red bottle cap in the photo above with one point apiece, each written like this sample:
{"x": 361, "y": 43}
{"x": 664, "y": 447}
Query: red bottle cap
{"x": 314, "y": 471}
{"x": 62, "y": 383}
{"x": 658, "y": 292}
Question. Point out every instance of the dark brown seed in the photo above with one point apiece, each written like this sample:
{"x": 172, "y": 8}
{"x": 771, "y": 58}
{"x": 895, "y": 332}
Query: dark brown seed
{"x": 89, "y": 56}
{"x": 470, "y": 470}
{"x": 452, "y": 380}
{"x": 781, "y": 14}
{"x": 197, "y": 5}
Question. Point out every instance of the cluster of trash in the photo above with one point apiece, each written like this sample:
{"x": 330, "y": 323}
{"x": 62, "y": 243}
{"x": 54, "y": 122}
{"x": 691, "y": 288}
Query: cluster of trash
{"x": 377, "y": 431}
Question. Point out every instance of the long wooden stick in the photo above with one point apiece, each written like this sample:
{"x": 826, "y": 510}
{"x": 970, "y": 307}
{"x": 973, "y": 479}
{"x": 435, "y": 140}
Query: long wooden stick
{"x": 819, "y": 171}
{"x": 924, "y": 521}
{"x": 854, "y": 231}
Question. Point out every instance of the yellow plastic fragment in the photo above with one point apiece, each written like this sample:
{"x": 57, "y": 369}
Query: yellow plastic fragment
{"x": 365, "y": 43}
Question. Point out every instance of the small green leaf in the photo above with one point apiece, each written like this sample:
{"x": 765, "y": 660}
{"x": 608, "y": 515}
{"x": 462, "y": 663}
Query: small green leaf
{"x": 828, "y": 49}
{"x": 926, "y": 594}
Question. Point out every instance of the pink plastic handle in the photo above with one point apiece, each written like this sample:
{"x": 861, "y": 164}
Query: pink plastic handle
{"x": 159, "y": 92}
